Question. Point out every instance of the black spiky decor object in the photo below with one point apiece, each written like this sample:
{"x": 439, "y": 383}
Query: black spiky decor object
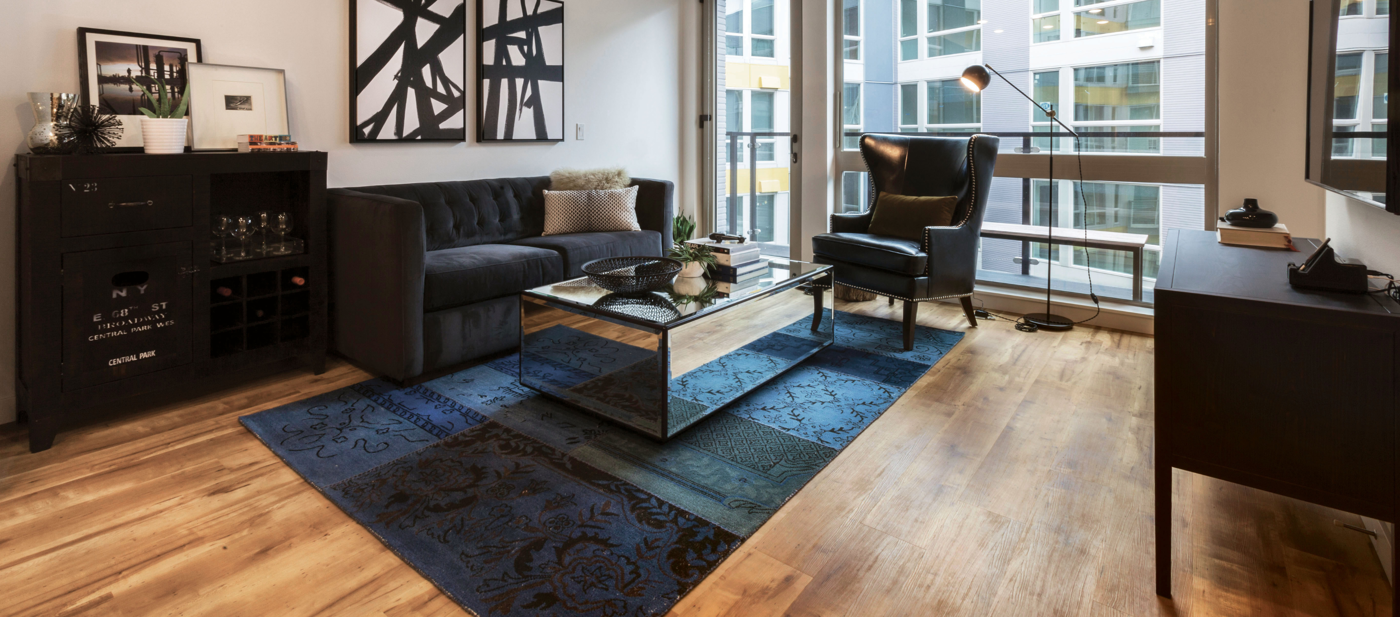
{"x": 86, "y": 130}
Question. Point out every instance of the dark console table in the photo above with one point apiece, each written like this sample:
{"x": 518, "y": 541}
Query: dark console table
{"x": 118, "y": 294}
{"x": 1288, "y": 391}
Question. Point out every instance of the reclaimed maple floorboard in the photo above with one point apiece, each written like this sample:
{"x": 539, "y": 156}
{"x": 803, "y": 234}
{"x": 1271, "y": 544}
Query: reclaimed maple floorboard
{"x": 1014, "y": 479}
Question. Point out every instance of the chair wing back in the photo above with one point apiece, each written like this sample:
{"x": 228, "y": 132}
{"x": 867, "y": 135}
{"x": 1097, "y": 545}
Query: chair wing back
{"x": 933, "y": 167}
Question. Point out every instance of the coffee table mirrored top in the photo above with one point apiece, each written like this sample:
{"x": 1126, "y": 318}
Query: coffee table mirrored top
{"x": 660, "y": 361}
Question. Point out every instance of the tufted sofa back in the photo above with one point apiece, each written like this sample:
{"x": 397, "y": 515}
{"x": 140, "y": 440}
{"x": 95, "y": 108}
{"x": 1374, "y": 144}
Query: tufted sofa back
{"x": 467, "y": 212}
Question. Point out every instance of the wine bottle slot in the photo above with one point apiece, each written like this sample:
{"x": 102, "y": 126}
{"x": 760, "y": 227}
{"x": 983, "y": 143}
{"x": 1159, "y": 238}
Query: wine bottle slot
{"x": 224, "y": 291}
{"x": 298, "y": 281}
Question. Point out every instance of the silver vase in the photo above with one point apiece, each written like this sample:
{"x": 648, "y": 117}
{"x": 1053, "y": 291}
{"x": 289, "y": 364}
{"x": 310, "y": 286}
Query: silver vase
{"x": 43, "y": 139}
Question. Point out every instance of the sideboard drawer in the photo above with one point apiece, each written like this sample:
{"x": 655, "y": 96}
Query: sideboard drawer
{"x": 118, "y": 205}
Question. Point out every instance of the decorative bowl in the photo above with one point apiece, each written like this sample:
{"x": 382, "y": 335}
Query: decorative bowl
{"x": 630, "y": 275}
{"x": 650, "y": 307}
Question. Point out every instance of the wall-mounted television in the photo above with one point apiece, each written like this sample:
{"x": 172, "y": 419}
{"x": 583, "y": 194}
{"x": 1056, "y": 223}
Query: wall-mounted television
{"x": 1350, "y": 149}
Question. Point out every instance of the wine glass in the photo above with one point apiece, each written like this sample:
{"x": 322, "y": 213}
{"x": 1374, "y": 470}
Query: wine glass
{"x": 282, "y": 225}
{"x": 243, "y": 230}
{"x": 264, "y": 221}
{"x": 222, "y": 228}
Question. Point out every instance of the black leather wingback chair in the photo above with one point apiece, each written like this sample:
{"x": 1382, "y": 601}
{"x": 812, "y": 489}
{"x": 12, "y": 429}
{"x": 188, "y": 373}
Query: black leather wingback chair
{"x": 944, "y": 264}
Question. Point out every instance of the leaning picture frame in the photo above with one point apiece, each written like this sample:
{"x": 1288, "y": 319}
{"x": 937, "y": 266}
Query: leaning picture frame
{"x": 108, "y": 61}
{"x": 228, "y": 101}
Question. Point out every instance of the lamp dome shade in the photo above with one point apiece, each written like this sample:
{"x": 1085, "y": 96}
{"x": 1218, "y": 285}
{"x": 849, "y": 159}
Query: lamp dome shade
{"x": 975, "y": 78}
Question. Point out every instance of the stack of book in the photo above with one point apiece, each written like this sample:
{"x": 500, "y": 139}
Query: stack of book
{"x": 266, "y": 143}
{"x": 738, "y": 266}
{"x": 1270, "y": 237}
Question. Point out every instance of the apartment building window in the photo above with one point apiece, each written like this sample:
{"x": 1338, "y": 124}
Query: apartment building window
{"x": 1118, "y": 18}
{"x": 850, "y": 116}
{"x": 763, "y": 219}
{"x": 733, "y": 122}
{"x": 853, "y": 191}
{"x": 1382, "y": 7}
{"x": 734, "y": 30}
{"x": 1380, "y": 94}
{"x": 1352, "y": 7}
{"x": 1122, "y": 98}
{"x": 909, "y": 108}
{"x": 761, "y": 42}
{"x": 908, "y": 30}
{"x": 1346, "y": 102}
{"x": 1360, "y": 100}
{"x": 952, "y": 109}
{"x": 1046, "y": 27}
{"x": 953, "y": 27}
{"x": 850, "y": 18}
{"x": 1045, "y": 89}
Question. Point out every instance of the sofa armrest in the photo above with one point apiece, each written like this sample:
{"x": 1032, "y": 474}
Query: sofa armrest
{"x": 655, "y": 208}
{"x": 377, "y": 255}
{"x": 857, "y": 223}
{"x": 952, "y": 253}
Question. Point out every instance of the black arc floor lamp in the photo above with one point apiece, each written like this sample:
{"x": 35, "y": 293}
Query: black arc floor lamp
{"x": 976, "y": 78}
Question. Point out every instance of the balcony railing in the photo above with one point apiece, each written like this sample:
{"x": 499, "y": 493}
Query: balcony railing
{"x": 732, "y": 200}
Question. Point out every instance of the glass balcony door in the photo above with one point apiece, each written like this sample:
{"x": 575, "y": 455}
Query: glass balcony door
{"x": 750, "y": 136}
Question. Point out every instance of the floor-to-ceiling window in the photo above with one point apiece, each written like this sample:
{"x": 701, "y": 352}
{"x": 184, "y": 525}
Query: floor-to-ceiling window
{"x": 1130, "y": 76}
{"x": 752, "y": 131}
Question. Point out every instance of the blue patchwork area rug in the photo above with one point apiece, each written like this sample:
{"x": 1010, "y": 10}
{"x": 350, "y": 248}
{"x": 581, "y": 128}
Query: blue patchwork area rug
{"x": 514, "y": 504}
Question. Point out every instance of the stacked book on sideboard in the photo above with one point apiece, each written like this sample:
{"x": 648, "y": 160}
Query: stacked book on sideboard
{"x": 738, "y": 265}
{"x": 1268, "y": 237}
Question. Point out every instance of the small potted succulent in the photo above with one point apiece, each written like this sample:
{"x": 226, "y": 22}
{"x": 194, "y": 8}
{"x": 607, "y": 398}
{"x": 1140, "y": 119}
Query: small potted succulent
{"x": 164, "y": 127}
{"x": 695, "y": 259}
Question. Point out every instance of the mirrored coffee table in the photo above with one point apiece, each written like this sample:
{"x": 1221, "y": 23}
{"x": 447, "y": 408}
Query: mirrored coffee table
{"x": 658, "y": 362}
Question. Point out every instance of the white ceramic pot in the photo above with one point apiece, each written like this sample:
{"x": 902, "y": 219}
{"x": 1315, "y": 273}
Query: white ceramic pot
{"x": 163, "y": 135}
{"x": 691, "y": 286}
{"x": 692, "y": 269}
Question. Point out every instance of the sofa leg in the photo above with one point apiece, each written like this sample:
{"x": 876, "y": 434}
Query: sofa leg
{"x": 911, "y": 315}
{"x": 967, "y": 310}
{"x": 891, "y": 300}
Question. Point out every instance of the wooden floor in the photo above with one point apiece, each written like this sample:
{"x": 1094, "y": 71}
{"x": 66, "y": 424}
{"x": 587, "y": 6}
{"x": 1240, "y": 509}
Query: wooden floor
{"x": 1014, "y": 479}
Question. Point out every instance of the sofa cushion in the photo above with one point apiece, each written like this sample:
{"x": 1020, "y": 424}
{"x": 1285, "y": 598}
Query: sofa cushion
{"x": 467, "y": 274}
{"x": 581, "y": 248}
{"x": 882, "y": 252}
{"x": 470, "y": 212}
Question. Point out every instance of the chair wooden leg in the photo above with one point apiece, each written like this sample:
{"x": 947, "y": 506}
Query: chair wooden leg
{"x": 911, "y": 315}
{"x": 967, "y": 310}
{"x": 891, "y": 300}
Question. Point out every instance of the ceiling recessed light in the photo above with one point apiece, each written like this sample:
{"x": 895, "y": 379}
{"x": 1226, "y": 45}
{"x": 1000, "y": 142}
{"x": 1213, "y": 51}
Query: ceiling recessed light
{"x": 998, "y": 31}
{"x": 1047, "y": 26}
{"x": 981, "y": 21}
{"x": 1103, "y": 21}
{"x": 1096, "y": 11}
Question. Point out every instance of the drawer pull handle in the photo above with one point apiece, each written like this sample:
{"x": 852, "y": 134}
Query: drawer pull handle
{"x": 130, "y": 204}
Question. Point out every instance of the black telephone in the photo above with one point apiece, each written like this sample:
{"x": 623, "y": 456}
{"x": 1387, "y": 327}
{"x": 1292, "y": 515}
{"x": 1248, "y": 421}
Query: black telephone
{"x": 1323, "y": 270}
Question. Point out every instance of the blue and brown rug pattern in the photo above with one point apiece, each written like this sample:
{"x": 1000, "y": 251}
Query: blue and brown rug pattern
{"x": 514, "y": 504}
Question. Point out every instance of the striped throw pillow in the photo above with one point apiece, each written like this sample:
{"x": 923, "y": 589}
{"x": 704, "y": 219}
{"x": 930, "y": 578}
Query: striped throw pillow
{"x": 569, "y": 212}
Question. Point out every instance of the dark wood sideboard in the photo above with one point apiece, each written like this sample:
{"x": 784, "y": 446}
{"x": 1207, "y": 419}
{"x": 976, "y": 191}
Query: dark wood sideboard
{"x": 1281, "y": 389}
{"x": 118, "y": 295}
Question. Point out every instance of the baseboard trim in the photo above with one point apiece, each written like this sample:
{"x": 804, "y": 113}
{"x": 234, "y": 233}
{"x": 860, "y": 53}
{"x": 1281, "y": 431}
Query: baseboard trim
{"x": 1112, "y": 315}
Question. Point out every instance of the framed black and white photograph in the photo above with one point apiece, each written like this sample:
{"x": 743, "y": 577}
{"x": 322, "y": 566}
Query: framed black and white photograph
{"x": 520, "y": 71}
{"x": 109, "y": 61}
{"x": 408, "y": 70}
{"x": 228, "y": 101}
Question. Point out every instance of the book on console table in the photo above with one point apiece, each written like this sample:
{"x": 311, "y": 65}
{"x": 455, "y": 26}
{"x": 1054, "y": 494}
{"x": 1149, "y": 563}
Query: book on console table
{"x": 731, "y": 272}
{"x": 729, "y": 254}
{"x": 1272, "y": 237}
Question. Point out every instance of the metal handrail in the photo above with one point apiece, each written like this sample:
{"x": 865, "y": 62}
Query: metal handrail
{"x": 732, "y": 213}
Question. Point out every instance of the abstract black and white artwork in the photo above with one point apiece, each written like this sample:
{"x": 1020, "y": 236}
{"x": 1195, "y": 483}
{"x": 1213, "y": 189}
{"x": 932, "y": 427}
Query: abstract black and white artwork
{"x": 409, "y": 70}
{"x": 520, "y": 75}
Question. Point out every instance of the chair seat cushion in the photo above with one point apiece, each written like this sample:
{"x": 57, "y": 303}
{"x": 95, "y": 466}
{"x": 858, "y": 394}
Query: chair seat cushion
{"x": 469, "y": 274}
{"x": 581, "y": 248}
{"x": 881, "y": 252}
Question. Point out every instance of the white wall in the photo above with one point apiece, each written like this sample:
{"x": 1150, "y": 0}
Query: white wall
{"x": 1362, "y": 231}
{"x": 630, "y": 78}
{"x": 1263, "y": 81}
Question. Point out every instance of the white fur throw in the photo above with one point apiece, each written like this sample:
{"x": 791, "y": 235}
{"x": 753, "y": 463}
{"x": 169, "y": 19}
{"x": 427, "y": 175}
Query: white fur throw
{"x": 604, "y": 179}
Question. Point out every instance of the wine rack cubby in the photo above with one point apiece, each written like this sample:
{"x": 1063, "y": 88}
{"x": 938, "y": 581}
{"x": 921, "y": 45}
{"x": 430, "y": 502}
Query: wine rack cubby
{"x": 259, "y": 309}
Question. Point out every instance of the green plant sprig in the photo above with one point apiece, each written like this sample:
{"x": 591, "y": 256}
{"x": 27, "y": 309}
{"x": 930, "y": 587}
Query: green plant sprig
{"x": 690, "y": 253}
{"x": 683, "y": 228}
{"x": 163, "y": 103}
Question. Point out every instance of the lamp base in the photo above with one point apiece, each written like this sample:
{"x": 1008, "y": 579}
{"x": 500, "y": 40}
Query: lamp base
{"x": 1047, "y": 321}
